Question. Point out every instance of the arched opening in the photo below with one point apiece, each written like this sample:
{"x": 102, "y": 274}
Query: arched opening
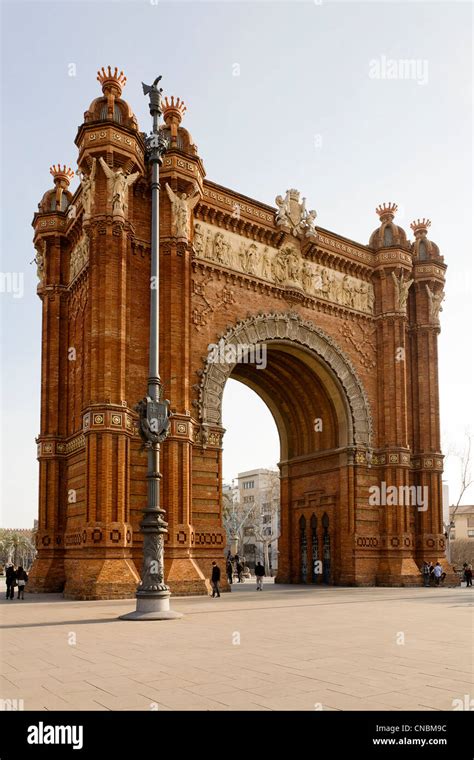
{"x": 322, "y": 416}
{"x": 251, "y": 479}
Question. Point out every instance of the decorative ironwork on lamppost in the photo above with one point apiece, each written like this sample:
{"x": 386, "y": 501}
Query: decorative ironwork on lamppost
{"x": 153, "y": 595}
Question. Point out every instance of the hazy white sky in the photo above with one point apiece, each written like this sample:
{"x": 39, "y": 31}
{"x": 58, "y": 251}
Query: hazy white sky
{"x": 304, "y": 110}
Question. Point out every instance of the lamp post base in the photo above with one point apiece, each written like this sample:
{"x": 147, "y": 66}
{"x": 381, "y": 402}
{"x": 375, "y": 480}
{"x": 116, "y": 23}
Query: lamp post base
{"x": 153, "y": 607}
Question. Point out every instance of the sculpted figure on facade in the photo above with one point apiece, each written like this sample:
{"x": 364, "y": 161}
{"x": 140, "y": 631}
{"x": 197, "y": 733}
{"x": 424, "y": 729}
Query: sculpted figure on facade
{"x": 198, "y": 241}
{"x": 88, "y": 187}
{"x": 39, "y": 260}
{"x": 307, "y": 277}
{"x": 117, "y": 184}
{"x": 252, "y": 259}
{"x": 347, "y": 294}
{"x": 279, "y": 268}
{"x": 293, "y": 266}
{"x": 283, "y": 214}
{"x": 266, "y": 265}
{"x": 402, "y": 287}
{"x": 219, "y": 248}
{"x": 79, "y": 257}
{"x": 435, "y": 299}
{"x": 181, "y": 207}
{"x": 293, "y": 216}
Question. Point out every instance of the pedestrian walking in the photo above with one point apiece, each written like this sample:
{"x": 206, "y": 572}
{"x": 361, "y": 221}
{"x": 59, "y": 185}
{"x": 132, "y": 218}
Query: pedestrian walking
{"x": 215, "y": 578}
{"x": 10, "y": 577}
{"x": 22, "y": 580}
{"x": 240, "y": 569}
{"x": 426, "y": 573}
{"x": 229, "y": 570}
{"x": 437, "y": 572}
{"x": 259, "y": 574}
{"x": 468, "y": 574}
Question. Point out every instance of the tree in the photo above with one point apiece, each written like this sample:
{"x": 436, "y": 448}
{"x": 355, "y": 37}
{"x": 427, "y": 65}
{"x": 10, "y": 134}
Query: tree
{"x": 462, "y": 551}
{"x": 265, "y": 518}
{"x": 16, "y": 547}
{"x": 465, "y": 460}
{"x": 237, "y": 517}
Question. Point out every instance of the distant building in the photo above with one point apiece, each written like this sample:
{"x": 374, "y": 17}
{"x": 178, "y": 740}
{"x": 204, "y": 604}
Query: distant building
{"x": 463, "y": 519}
{"x": 260, "y": 487}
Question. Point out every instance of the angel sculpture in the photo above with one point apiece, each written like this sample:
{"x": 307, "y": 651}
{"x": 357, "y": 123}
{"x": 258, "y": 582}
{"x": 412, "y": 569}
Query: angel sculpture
{"x": 402, "y": 287}
{"x": 435, "y": 301}
{"x": 87, "y": 184}
{"x": 181, "y": 207}
{"x": 118, "y": 183}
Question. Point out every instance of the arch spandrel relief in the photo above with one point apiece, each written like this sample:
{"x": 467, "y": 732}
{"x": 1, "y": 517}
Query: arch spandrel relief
{"x": 282, "y": 267}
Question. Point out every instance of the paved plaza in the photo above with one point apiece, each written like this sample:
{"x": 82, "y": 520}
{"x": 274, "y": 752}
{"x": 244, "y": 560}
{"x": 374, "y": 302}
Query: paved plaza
{"x": 286, "y": 648}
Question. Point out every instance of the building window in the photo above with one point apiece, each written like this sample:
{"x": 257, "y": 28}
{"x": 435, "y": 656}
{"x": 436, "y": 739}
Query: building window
{"x": 470, "y": 522}
{"x": 470, "y": 533}
{"x": 248, "y": 484}
{"x": 249, "y": 499}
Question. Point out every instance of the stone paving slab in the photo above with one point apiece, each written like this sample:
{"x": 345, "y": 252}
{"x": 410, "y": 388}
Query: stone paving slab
{"x": 289, "y": 648}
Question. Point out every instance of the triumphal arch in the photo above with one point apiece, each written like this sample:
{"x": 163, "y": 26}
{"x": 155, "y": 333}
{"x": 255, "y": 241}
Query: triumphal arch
{"x": 351, "y": 369}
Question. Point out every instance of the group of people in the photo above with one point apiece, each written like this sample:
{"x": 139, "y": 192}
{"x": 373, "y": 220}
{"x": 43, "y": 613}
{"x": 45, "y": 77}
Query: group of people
{"x": 16, "y": 577}
{"x": 434, "y": 574}
{"x": 234, "y": 566}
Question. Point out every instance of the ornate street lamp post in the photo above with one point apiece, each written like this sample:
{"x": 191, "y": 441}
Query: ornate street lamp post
{"x": 153, "y": 595}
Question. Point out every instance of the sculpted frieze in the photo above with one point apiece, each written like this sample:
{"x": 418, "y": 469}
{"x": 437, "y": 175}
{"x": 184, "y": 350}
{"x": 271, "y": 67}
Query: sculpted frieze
{"x": 283, "y": 267}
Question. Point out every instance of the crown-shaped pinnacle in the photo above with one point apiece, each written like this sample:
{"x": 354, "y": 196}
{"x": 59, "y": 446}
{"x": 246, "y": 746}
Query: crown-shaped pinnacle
{"x": 108, "y": 78}
{"x": 420, "y": 225}
{"x": 174, "y": 105}
{"x": 61, "y": 173}
{"x": 387, "y": 210}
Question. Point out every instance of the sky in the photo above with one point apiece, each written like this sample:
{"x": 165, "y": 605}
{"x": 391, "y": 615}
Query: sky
{"x": 279, "y": 95}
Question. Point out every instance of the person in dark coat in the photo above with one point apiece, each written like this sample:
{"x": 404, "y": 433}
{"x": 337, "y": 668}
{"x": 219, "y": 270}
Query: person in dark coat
{"x": 21, "y": 579}
{"x": 259, "y": 574}
{"x": 215, "y": 578}
{"x": 468, "y": 574}
{"x": 10, "y": 577}
{"x": 229, "y": 570}
{"x": 426, "y": 573}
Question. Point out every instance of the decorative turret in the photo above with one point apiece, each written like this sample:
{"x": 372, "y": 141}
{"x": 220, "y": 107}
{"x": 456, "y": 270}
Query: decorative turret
{"x": 111, "y": 107}
{"x": 173, "y": 112}
{"x": 423, "y": 248}
{"x": 388, "y": 234}
{"x": 59, "y": 197}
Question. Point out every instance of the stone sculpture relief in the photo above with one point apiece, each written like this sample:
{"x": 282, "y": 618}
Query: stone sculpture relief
{"x": 181, "y": 207}
{"x": 88, "y": 186}
{"x": 79, "y": 257}
{"x": 435, "y": 299}
{"x": 402, "y": 287}
{"x": 40, "y": 249}
{"x": 117, "y": 187}
{"x": 282, "y": 267}
{"x": 293, "y": 216}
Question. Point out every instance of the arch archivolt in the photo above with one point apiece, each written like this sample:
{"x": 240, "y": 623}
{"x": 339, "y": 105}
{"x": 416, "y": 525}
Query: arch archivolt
{"x": 287, "y": 331}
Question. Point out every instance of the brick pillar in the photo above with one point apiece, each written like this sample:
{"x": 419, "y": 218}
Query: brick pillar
{"x": 427, "y": 456}
{"x": 47, "y": 573}
{"x": 396, "y": 558}
{"x": 101, "y": 566}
